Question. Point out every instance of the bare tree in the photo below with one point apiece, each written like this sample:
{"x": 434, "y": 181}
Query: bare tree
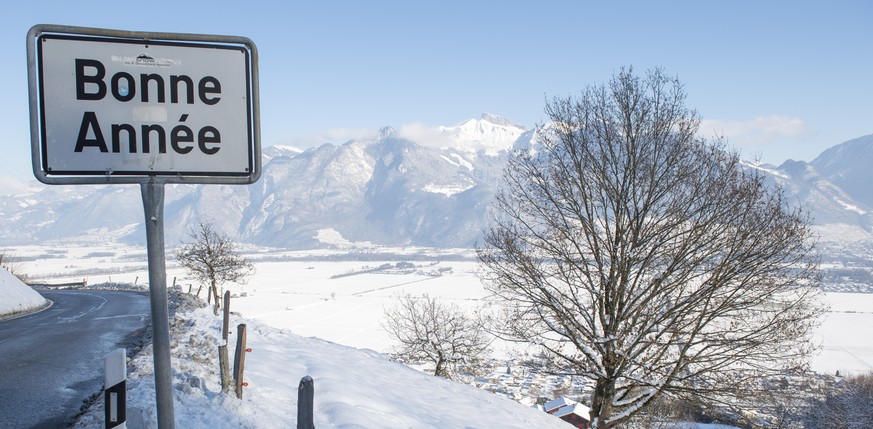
{"x": 7, "y": 263}
{"x": 441, "y": 334}
{"x": 213, "y": 259}
{"x": 646, "y": 259}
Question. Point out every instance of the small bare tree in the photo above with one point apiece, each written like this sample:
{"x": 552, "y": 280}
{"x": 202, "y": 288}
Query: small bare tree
{"x": 8, "y": 264}
{"x": 646, "y": 259}
{"x": 212, "y": 258}
{"x": 430, "y": 331}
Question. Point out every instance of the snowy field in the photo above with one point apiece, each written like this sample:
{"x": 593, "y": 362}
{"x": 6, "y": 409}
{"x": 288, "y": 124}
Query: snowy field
{"x": 303, "y": 307}
{"x": 845, "y": 335}
{"x": 340, "y": 296}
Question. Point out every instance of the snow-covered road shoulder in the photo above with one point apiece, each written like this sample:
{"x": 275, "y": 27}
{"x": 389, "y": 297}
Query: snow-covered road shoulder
{"x": 17, "y": 298}
{"x": 354, "y": 388}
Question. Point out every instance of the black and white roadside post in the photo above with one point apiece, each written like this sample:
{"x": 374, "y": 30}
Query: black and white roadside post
{"x": 123, "y": 107}
{"x": 115, "y": 391}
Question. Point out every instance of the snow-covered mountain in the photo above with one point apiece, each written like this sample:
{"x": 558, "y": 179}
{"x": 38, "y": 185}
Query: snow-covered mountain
{"x": 491, "y": 134}
{"x": 835, "y": 189}
{"x": 847, "y": 166}
{"x": 388, "y": 190}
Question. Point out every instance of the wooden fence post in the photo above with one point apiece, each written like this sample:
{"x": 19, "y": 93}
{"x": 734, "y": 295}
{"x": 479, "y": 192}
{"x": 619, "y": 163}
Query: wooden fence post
{"x": 223, "y": 360}
{"x": 224, "y": 365}
{"x": 225, "y": 325}
{"x": 305, "y": 403}
{"x": 239, "y": 360}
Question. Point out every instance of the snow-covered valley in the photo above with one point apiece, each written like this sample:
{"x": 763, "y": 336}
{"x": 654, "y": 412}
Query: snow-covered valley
{"x": 319, "y": 313}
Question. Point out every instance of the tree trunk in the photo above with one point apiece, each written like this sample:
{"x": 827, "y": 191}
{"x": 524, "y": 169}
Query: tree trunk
{"x": 215, "y": 297}
{"x": 601, "y": 404}
{"x": 440, "y": 368}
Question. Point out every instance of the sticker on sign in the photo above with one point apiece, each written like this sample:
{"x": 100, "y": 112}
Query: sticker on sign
{"x": 110, "y": 106}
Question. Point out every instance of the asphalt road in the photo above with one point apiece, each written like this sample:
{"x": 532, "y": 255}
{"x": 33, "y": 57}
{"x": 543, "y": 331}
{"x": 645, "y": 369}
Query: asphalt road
{"x": 52, "y": 361}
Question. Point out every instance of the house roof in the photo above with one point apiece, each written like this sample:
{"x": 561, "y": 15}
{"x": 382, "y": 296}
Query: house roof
{"x": 555, "y": 404}
{"x": 576, "y": 408}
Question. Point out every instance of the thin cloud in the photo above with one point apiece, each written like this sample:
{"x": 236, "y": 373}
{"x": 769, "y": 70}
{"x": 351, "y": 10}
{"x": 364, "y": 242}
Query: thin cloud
{"x": 425, "y": 135}
{"x": 759, "y": 131}
{"x": 335, "y": 136}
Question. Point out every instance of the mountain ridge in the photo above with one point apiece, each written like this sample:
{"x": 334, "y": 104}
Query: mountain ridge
{"x": 385, "y": 190}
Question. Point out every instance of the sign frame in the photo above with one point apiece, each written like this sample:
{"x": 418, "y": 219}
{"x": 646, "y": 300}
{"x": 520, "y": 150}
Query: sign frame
{"x": 102, "y": 175}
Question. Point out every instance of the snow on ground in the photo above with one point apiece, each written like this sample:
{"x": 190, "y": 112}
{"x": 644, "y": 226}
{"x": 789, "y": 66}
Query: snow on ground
{"x": 354, "y": 388}
{"x": 303, "y": 307}
{"x": 841, "y": 233}
{"x": 321, "y": 293}
{"x": 17, "y": 297}
{"x": 844, "y": 335}
{"x": 447, "y": 190}
{"x": 344, "y": 301}
{"x": 332, "y": 237}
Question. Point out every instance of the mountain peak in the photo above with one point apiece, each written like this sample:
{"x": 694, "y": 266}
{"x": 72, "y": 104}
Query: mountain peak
{"x": 499, "y": 120}
{"x": 491, "y": 133}
{"x": 386, "y": 132}
{"x": 855, "y": 150}
{"x": 279, "y": 150}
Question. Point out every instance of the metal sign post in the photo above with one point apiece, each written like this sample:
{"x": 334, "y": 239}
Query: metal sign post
{"x": 153, "y": 206}
{"x": 114, "y": 107}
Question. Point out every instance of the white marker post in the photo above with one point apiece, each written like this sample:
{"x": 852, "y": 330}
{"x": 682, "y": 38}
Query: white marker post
{"x": 115, "y": 389}
{"x": 116, "y": 107}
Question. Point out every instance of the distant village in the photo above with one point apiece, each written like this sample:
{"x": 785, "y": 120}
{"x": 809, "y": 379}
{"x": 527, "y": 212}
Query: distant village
{"x": 558, "y": 395}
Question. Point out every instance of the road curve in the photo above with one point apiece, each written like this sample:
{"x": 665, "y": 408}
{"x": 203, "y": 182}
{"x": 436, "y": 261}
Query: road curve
{"x": 51, "y": 361}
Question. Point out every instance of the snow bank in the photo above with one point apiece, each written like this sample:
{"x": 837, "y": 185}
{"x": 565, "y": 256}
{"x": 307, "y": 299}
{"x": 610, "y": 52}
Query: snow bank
{"x": 354, "y": 388}
{"x": 17, "y": 297}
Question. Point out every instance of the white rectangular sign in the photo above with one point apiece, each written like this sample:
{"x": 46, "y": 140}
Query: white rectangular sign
{"x": 127, "y": 108}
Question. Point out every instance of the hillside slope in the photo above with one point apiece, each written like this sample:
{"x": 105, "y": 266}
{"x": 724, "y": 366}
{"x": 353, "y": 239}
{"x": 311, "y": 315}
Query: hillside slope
{"x": 354, "y": 388}
{"x": 17, "y": 297}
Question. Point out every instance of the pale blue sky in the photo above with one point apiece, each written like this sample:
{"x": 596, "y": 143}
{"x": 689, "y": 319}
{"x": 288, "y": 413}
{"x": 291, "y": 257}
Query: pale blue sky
{"x": 782, "y": 79}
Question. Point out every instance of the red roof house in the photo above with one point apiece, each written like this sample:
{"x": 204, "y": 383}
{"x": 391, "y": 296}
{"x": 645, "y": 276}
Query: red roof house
{"x": 575, "y": 414}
